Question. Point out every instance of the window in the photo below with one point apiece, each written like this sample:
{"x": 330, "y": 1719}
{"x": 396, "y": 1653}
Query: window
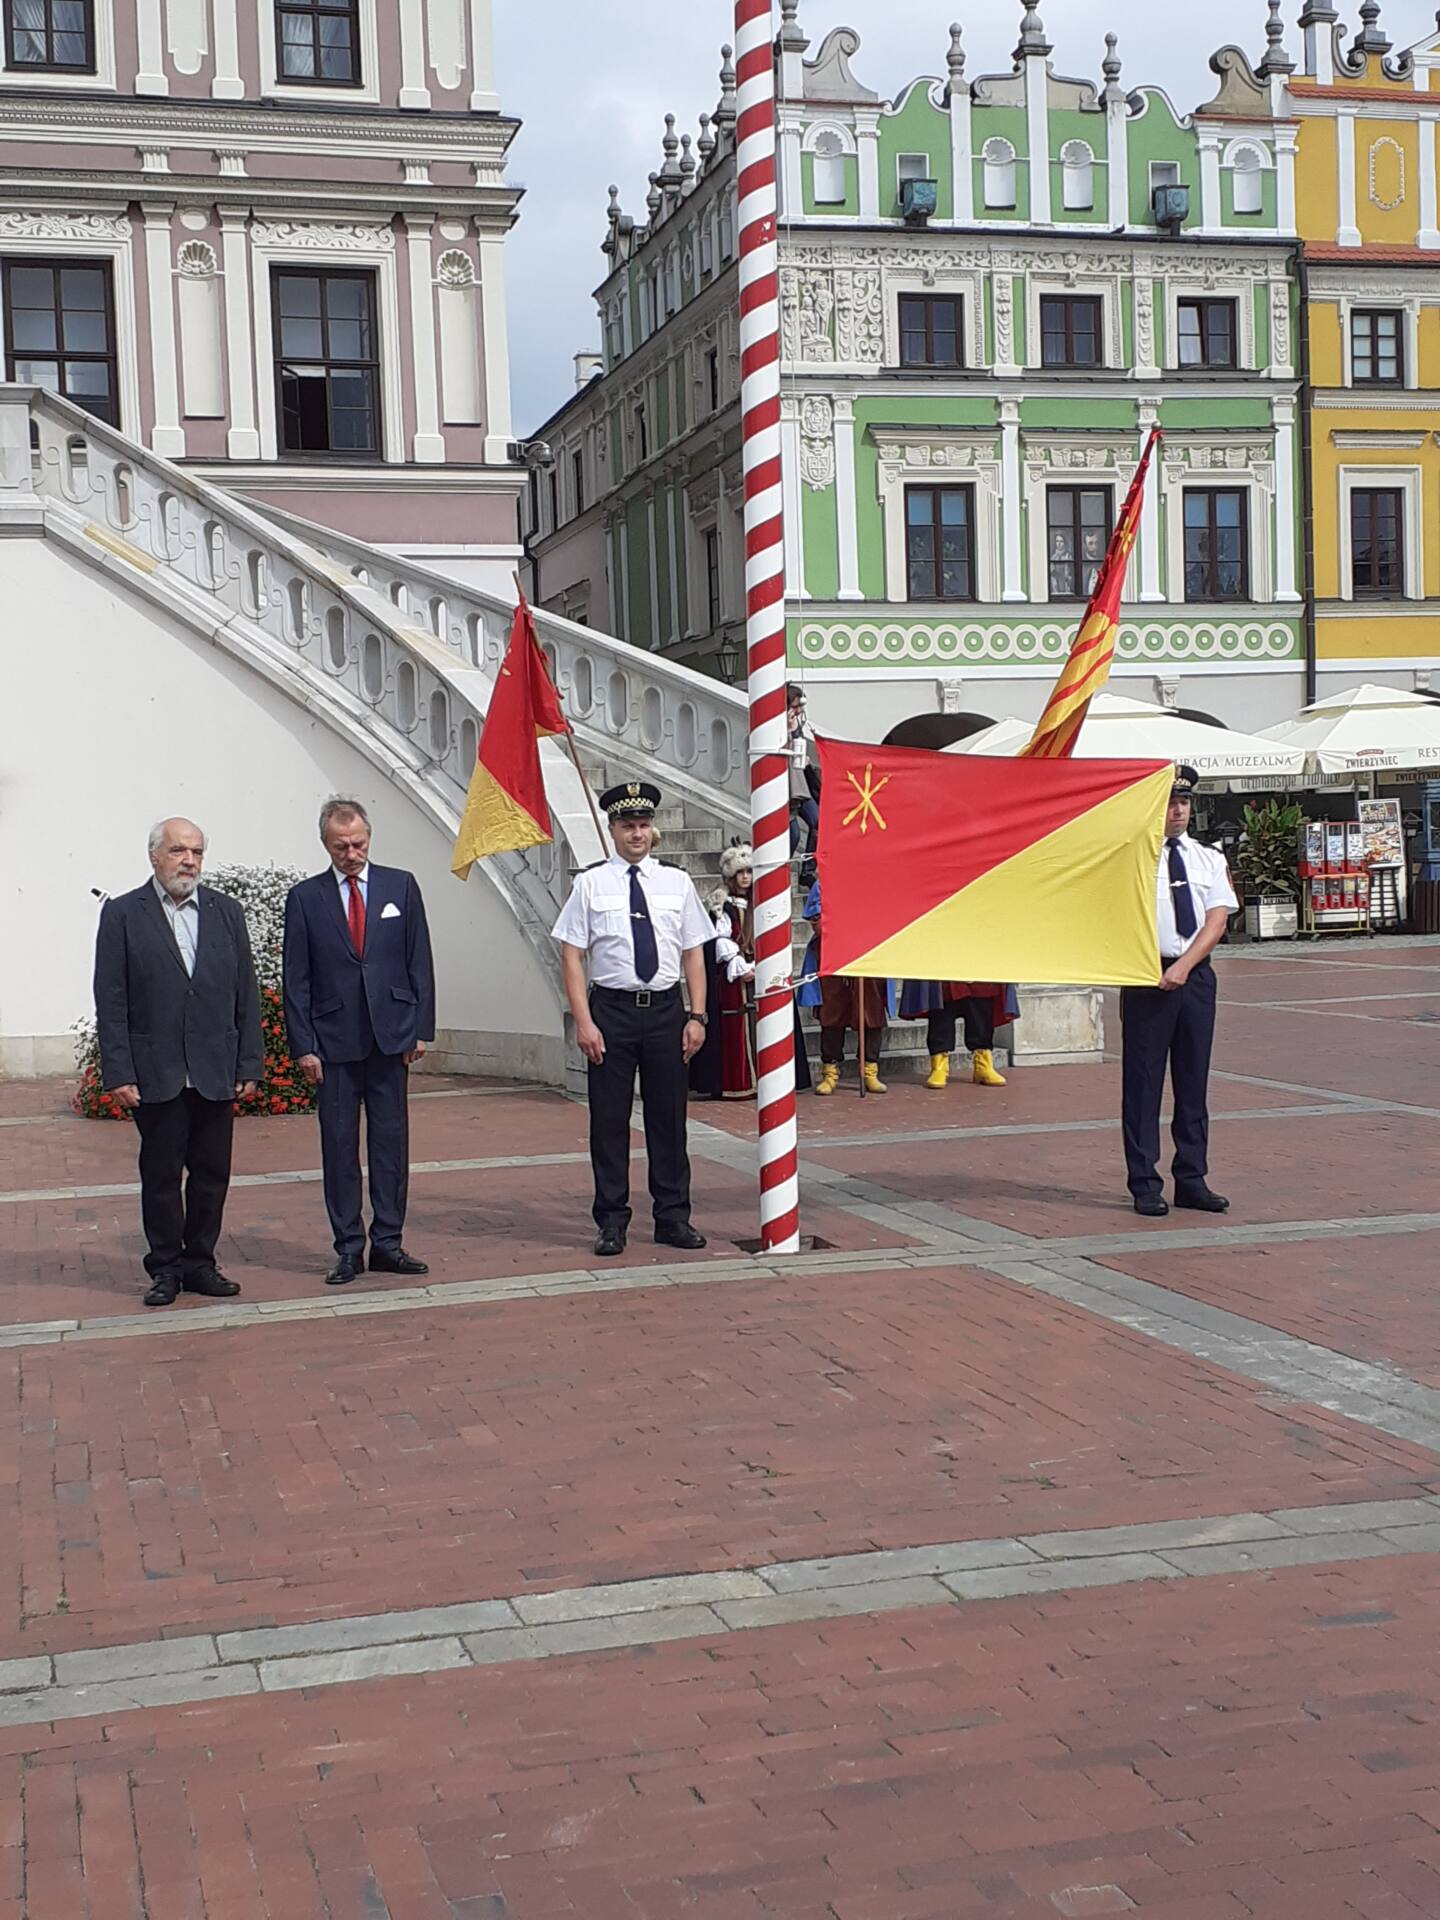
{"x": 60, "y": 331}
{"x": 1207, "y": 333}
{"x": 999, "y": 173}
{"x": 1216, "y": 544}
{"x": 642, "y": 434}
{"x": 1077, "y": 176}
{"x": 1376, "y": 347}
{"x": 318, "y": 41}
{"x": 929, "y": 331}
{"x": 50, "y": 35}
{"x": 1377, "y": 563}
{"x": 535, "y": 526}
{"x": 828, "y": 161}
{"x": 1070, "y": 329}
{"x": 939, "y": 543}
{"x": 1247, "y": 181}
{"x": 577, "y": 479}
{"x": 712, "y": 377}
{"x": 712, "y": 577}
{"x": 1164, "y": 173}
{"x": 1077, "y": 522}
{"x": 554, "y": 479}
{"x": 327, "y": 365}
{"x": 911, "y": 166}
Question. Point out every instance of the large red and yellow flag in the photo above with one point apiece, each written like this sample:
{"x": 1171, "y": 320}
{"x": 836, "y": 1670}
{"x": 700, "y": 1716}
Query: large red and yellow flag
{"x": 506, "y": 808}
{"x": 961, "y": 867}
{"x": 1088, "y": 667}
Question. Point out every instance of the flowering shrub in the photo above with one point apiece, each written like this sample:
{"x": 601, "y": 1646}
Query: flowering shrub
{"x": 261, "y": 893}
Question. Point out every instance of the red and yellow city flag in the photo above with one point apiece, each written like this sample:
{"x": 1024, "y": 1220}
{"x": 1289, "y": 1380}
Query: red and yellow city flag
{"x": 1088, "y": 667}
{"x": 506, "y": 808}
{"x": 960, "y": 867}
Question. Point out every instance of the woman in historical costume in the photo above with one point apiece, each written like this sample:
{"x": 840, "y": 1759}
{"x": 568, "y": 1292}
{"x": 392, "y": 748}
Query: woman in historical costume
{"x": 843, "y": 1004}
{"x": 944, "y": 1005}
{"x": 734, "y": 1002}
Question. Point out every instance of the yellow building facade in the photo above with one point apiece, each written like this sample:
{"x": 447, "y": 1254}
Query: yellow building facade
{"x": 1365, "y": 195}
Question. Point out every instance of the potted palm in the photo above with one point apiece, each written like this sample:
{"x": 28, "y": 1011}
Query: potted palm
{"x": 1265, "y": 869}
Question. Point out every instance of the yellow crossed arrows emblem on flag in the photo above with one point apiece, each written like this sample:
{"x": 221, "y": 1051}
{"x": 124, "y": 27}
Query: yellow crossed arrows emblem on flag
{"x": 867, "y": 809}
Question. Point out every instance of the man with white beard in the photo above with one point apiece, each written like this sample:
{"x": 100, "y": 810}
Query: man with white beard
{"x": 178, "y": 1015}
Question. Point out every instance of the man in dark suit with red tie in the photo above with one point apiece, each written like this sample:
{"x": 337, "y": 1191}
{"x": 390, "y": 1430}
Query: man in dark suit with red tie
{"x": 360, "y": 1009}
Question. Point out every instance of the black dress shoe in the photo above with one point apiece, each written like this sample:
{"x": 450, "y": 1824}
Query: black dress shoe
{"x": 609, "y": 1241}
{"x": 397, "y": 1262}
{"x": 164, "y": 1288}
{"x": 686, "y": 1238}
{"x": 1201, "y": 1200}
{"x": 212, "y": 1283}
{"x": 347, "y": 1268}
{"x": 1152, "y": 1206}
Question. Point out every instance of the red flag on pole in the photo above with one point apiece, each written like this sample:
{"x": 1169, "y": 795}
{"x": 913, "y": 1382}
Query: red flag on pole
{"x": 1088, "y": 667}
{"x": 506, "y": 808}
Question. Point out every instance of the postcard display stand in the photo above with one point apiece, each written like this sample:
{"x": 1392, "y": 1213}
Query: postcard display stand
{"x": 1334, "y": 877}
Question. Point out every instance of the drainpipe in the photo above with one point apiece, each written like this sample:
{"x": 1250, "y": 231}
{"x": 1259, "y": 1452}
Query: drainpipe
{"x": 1307, "y": 472}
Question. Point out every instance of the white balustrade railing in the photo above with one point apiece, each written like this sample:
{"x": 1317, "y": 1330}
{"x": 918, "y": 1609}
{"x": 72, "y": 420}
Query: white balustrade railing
{"x": 627, "y": 705}
{"x": 352, "y": 650}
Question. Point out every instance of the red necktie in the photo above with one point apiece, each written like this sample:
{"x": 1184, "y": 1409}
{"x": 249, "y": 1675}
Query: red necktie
{"x": 357, "y": 916}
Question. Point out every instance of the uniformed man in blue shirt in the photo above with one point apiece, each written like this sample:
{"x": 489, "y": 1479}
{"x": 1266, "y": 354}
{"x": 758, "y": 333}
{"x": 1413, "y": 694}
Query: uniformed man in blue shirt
{"x": 637, "y": 926}
{"x": 1173, "y": 1023}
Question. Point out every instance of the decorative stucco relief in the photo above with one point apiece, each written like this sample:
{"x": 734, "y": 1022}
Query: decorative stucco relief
{"x": 1387, "y": 174}
{"x": 64, "y": 226}
{"x": 447, "y": 42}
{"x": 888, "y": 644}
{"x": 859, "y": 317}
{"x": 328, "y": 237}
{"x": 817, "y": 441}
{"x": 187, "y": 33}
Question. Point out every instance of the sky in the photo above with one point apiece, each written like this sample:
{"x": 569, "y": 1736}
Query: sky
{"x": 592, "y": 80}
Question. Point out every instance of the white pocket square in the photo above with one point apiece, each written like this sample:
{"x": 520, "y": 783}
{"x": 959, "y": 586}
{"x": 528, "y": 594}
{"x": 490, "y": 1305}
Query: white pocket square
{"x": 390, "y": 911}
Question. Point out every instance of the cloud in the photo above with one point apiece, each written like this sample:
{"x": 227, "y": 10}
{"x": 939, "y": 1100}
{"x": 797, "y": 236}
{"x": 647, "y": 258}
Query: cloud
{"x": 592, "y": 81}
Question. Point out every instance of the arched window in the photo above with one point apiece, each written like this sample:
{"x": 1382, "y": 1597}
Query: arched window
{"x": 1077, "y": 176}
{"x": 1249, "y": 181}
{"x": 999, "y": 159}
{"x": 829, "y": 160}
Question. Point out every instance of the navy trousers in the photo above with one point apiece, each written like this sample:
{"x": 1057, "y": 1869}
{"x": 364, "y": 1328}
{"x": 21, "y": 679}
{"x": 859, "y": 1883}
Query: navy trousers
{"x": 189, "y": 1137}
{"x": 1177, "y": 1030}
{"x": 379, "y": 1083}
{"x": 648, "y": 1040}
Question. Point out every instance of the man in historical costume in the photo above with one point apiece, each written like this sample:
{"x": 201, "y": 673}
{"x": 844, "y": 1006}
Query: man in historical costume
{"x": 638, "y": 927}
{"x": 845, "y": 1004}
{"x": 734, "y": 1001}
{"x": 945, "y": 1005}
{"x": 1173, "y": 1023}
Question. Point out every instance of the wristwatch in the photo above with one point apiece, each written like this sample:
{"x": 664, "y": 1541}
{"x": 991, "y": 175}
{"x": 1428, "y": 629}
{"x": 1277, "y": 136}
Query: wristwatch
{"x": 700, "y": 1019}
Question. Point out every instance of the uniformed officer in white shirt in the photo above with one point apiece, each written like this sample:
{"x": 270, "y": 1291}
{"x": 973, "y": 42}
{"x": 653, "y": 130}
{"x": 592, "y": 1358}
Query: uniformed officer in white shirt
{"x": 1175, "y": 1021}
{"x": 638, "y": 925}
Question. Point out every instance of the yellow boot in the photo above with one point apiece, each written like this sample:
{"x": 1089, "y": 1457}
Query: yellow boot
{"x": 873, "y": 1082}
{"x": 829, "y": 1079}
{"x": 939, "y": 1071}
{"x": 983, "y": 1069}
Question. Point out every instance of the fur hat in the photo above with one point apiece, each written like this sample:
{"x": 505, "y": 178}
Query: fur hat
{"x": 735, "y": 860}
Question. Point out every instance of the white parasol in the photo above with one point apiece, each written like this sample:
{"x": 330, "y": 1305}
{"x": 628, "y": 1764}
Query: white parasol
{"x": 1365, "y": 729}
{"x": 1119, "y": 729}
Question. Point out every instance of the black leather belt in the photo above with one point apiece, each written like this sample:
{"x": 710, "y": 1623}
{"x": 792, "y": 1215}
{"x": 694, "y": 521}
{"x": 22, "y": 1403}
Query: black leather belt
{"x": 644, "y": 997}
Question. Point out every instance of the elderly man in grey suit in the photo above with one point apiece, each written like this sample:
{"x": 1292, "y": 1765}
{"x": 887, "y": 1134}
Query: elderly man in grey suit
{"x": 179, "y": 1025}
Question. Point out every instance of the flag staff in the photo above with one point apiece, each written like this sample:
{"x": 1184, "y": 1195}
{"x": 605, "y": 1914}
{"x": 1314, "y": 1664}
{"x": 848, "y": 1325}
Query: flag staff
{"x": 759, "y": 269}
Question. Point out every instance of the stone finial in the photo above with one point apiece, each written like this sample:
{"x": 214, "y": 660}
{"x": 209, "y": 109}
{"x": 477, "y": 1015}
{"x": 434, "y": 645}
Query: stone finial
{"x": 654, "y": 198}
{"x": 1276, "y": 60}
{"x": 1110, "y": 67}
{"x": 705, "y": 145}
{"x": 613, "y": 211}
{"x": 955, "y": 58}
{"x": 792, "y": 40}
{"x": 670, "y": 170}
{"x": 1370, "y": 39}
{"x": 1318, "y": 13}
{"x": 687, "y": 165}
{"x": 725, "y": 112}
{"x": 1033, "y": 44}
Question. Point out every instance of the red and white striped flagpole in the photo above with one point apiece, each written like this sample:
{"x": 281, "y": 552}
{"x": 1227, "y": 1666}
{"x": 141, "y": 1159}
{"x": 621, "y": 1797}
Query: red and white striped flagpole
{"x": 765, "y": 621}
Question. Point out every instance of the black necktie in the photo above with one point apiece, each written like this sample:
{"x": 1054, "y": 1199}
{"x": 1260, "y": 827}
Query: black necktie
{"x": 1185, "y": 921}
{"x": 642, "y": 932}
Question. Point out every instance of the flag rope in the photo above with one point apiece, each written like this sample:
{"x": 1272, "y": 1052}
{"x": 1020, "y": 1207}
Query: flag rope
{"x": 755, "y": 142}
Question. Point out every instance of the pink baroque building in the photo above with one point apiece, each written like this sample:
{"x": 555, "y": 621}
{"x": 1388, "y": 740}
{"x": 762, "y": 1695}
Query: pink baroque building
{"x": 266, "y": 238}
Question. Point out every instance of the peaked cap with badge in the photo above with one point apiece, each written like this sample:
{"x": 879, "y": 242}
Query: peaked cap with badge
{"x": 1186, "y": 781}
{"x": 630, "y": 800}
